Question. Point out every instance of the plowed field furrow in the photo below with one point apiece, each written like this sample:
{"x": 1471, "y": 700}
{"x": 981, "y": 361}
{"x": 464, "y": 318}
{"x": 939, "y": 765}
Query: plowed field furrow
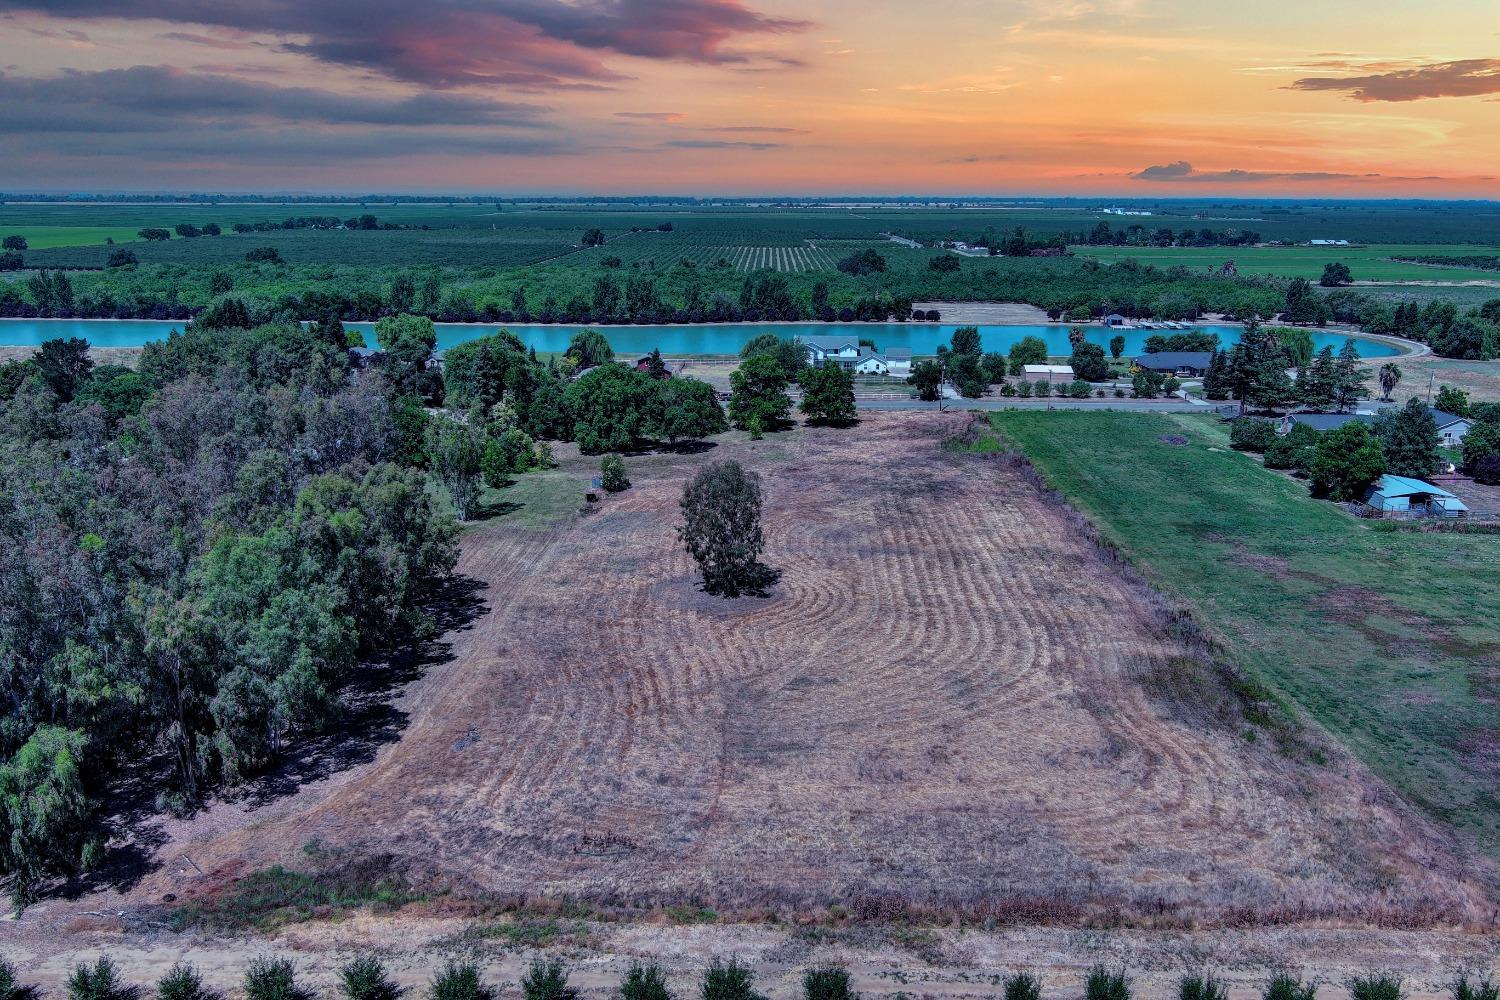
{"x": 946, "y": 697}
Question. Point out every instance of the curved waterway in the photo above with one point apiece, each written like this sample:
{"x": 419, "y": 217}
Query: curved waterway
{"x": 674, "y": 340}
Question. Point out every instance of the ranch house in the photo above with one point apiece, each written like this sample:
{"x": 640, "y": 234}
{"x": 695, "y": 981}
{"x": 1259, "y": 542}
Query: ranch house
{"x": 1189, "y": 363}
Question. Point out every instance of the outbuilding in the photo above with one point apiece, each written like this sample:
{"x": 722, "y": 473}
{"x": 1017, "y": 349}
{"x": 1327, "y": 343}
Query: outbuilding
{"x": 1400, "y": 496}
{"x": 1048, "y": 373}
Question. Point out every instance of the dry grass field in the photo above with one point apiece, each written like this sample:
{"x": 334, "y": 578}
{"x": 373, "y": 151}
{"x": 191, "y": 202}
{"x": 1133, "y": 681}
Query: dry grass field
{"x": 952, "y": 701}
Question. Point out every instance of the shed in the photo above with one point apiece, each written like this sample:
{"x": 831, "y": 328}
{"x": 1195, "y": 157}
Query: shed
{"x": 1114, "y": 319}
{"x": 1048, "y": 373}
{"x": 1401, "y": 496}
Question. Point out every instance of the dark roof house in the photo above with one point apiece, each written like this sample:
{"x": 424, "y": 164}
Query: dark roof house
{"x": 1176, "y": 362}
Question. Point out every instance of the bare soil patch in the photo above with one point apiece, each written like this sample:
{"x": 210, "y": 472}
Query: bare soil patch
{"x": 953, "y": 702}
{"x": 987, "y": 313}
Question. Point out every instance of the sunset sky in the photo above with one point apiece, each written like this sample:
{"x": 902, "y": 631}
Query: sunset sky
{"x": 1376, "y": 98}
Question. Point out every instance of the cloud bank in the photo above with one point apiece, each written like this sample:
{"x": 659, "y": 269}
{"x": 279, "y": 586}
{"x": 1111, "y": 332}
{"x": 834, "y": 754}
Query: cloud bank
{"x": 1464, "y": 78}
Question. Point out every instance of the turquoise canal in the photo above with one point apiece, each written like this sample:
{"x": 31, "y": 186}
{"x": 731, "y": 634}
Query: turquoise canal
{"x": 706, "y": 338}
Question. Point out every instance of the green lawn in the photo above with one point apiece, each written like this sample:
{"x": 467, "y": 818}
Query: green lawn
{"x": 1370, "y": 263}
{"x": 1389, "y": 639}
{"x": 45, "y": 237}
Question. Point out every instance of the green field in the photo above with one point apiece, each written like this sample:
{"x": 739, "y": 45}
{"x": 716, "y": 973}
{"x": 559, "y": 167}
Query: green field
{"x": 1371, "y": 263}
{"x": 1388, "y": 639}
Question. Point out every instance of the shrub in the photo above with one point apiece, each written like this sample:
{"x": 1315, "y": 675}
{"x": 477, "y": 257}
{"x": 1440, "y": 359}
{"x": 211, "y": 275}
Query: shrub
{"x": 1023, "y": 986}
{"x": 1376, "y": 987}
{"x": 1488, "y": 470}
{"x": 1284, "y": 986}
{"x": 547, "y": 980}
{"x": 1293, "y": 450}
{"x": 731, "y": 981}
{"x": 644, "y": 982}
{"x": 1102, "y": 984}
{"x": 827, "y": 983}
{"x": 1464, "y": 989}
{"x": 364, "y": 978}
{"x": 264, "y": 255}
{"x": 182, "y": 982}
{"x": 10, "y": 989}
{"x": 1251, "y": 434}
{"x": 1119, "y": 393}
{"x": 273, "y": 979}
{"x": 1204, "y": 987}
{"x": 1080, "y": 390}
{"x": 459, "y": 981}
{"x": 612, "y": 472}
{"x": 1042, "y": 388}
{"x": 102, "y": 982}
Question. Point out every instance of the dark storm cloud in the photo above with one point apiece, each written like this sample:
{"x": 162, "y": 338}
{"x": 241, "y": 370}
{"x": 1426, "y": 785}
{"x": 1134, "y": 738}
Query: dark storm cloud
{"x": 146, "y": 97}
{"x": 1464, "y": 78}
{"x": 521, "y": 43}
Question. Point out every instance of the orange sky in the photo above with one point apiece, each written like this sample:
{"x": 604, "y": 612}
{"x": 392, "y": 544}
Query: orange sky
{"x": 1256, "y": 97}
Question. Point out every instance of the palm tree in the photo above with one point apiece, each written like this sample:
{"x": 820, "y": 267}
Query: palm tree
{"x": 1390, "y": 374}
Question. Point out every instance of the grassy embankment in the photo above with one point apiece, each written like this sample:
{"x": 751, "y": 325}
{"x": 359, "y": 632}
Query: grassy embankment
{"x": 1388, "y": 639}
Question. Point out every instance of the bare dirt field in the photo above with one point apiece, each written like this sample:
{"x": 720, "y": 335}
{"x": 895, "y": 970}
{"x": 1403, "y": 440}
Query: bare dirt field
{"x": 987, "y": 313}
{"x": 953, "y": 702}
{"x": 1419, "y": 375}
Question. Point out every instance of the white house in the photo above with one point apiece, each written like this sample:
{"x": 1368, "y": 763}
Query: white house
{"x": 847, "y": 351}
{"x": 1451, "y": 427}
{"x": 895, "y": 361}
{"x": 839, "y": 349}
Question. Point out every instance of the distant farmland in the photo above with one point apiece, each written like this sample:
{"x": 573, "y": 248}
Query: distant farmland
{"x": 1368, "y": 263}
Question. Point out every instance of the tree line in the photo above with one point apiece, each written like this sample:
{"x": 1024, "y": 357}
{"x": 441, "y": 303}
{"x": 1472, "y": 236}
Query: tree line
{"x": 199, "y": 557}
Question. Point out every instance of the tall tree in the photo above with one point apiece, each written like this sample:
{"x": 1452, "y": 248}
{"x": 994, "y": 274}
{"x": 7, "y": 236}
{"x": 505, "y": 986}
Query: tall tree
{"x": 758, "y": 399}
{"x": 1348, "y": 460}
{"x": 1409, "y": 439}
{"x": 828, "y": 395}
{"x": 1349, "y": 377}
{"x": 64, "y": 365}
{"x": 721, "y": 509}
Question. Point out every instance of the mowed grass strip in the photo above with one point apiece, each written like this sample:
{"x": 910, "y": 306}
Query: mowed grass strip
{"x": 1389, "y": 639}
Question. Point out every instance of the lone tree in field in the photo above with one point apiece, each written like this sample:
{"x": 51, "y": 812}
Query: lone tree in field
{"x": 721, "y": 529}
{"x": 828, "y": 395}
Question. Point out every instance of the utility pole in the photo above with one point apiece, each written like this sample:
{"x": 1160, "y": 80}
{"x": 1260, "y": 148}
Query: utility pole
{"x": 1431, "y": 376}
